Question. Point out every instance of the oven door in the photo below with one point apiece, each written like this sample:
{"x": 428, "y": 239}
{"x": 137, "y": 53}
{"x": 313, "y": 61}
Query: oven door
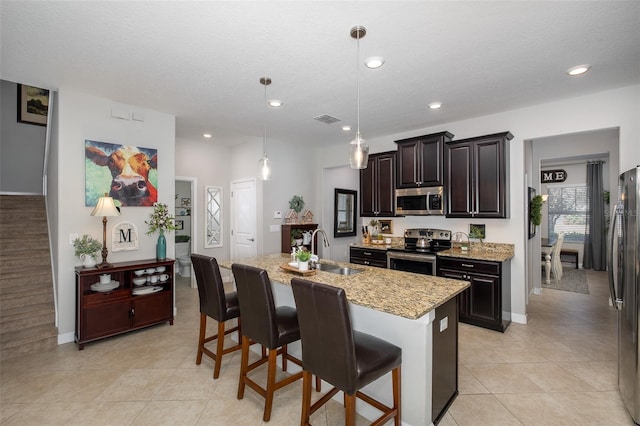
{"x": 424, "y": 264}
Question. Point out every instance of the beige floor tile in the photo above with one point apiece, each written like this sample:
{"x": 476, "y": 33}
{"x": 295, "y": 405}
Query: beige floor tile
{"x": 48, "y": 413}
{"x": 136, "y": 385}
{"x": 468, "y": 384}
{"x": 481, "y": 410}
{"x": 503, "y": 378}
{"x": 170, "y": 413}
{"x": 108, "y": 413}
{"x": 187, "y": 384}
{"x": 602, "y": 376}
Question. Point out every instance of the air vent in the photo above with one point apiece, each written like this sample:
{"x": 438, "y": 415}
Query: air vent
{"x": 327, "y": 119}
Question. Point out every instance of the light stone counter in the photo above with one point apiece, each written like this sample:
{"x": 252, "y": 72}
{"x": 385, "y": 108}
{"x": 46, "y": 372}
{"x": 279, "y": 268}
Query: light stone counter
{"x": 398, "y": 293}
{"x": 494, "y": 252}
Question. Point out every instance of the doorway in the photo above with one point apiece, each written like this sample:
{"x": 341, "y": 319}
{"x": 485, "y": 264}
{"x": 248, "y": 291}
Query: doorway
{"x": 186, "y": 215}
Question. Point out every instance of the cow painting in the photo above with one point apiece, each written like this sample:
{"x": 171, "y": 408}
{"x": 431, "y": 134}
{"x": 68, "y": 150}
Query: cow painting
{"x": 127, "y": 173}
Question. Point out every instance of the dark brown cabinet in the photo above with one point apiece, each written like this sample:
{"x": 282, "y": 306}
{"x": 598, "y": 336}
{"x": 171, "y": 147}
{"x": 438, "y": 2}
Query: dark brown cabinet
{"x": 288, "y": 232}
{"x": 104, "y": 311}
{"x": 487, "y": 302}
{"x": 378, "y": 185}
{"x": 476, "y": 176}
{"x": 420, "y": 161}
{"x": 369, "y": 257}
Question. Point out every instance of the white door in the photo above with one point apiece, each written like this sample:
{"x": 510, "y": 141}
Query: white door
{"x": 243, "y": 219}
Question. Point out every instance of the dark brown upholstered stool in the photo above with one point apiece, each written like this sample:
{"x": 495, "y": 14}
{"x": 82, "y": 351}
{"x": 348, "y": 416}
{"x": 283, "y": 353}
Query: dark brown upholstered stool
{"x": 263, "y": 323}
{"x": 217, "y": 304}
{"x": 346, "y": 358}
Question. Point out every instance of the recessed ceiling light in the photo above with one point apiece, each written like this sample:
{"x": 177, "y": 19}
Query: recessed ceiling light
{"x": 374, "y": 62}
{"x": 346, "y": 128}
{"x": 579, "y": 69}
{"x": 435, "y": 105}
{"x": 275, "y": 103}
{"x": 207, "y": 135}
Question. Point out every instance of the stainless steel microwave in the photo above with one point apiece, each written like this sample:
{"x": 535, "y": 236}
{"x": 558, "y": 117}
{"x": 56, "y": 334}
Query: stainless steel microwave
{"x": 420, "y": 201}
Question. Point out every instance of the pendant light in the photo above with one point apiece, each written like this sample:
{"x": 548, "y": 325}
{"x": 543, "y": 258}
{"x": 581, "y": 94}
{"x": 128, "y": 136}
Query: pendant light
{"x": 358, "y": 147}
{"x": 264, "y": 164}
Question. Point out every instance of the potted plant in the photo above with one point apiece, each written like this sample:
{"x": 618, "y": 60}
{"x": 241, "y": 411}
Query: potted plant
{"x": 535, "y": 213}
{"x": 160, "y": 220}
{"x": 86, "y": 248}
{"x": 303, "y": 257}
{"x": 296, "y": 237}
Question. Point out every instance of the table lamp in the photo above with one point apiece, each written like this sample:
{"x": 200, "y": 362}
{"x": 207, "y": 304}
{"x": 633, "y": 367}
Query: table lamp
{"x": 104, "y": 208}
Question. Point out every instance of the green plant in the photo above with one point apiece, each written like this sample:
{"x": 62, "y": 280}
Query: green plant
{"x": 296, "y": 233}
{"x": 86, "y": 245}
{"x": 296, "y": 203}
{"x": 303, "y": 255}
{"x": 535, "y": 211}
{"x": 160, "y": 220}
{"x": 374, "y": 222}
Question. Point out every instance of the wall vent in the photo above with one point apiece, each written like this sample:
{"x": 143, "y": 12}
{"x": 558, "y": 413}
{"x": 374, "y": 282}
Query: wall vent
{"x": 327, "y": 119}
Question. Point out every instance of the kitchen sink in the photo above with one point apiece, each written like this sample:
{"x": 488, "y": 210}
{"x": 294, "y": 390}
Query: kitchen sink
{"x": 335, "y": 269}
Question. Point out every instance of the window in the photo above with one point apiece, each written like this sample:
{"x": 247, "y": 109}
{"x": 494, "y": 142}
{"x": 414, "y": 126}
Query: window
{"x": 568, "y": 212}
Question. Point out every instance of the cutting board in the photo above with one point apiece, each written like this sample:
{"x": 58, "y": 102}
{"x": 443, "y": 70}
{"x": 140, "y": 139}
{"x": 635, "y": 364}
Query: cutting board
{"x": 298, "y": 271}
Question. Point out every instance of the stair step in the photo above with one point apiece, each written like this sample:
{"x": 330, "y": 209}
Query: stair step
{"x": 24, "y": 288}
{"x": 23, "y": 301}
{"x": 45, "y": 317}
{"x": 18, "y": 279}
{"x": 24, "y": 347}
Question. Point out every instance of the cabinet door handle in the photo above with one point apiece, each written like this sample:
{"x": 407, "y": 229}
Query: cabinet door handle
{"x": 250, "y": 239}
{"x": 467, "y": 265}
{"x": 366, "y": 253}
{"x": 132, "y": 313}
{"x": 366, "y": 262}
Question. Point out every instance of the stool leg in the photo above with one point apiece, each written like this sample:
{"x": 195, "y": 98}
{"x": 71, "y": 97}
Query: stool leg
{"x": 395, "y": 378}
{"x": 219, "y": 350}
{"x": 271, "y": 381}
{"x": 203, "y": 329}
{"x": 350, "y": 409}
{"x": 284, "y": 358}
{"x": 306, "y": 398}
{"x": 244, "y": 362}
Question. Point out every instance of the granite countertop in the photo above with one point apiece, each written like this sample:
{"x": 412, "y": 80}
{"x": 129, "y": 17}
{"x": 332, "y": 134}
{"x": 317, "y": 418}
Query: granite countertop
{"x": 494, "y": 252}
{"x": 398, "y": 293}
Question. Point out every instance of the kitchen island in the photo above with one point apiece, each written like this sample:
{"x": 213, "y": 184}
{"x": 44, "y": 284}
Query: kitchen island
{"x": 399, "y": 307}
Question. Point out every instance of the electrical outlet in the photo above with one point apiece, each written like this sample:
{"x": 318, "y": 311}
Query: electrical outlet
{"x": 444, "y": 324}
{"x": 72, "y": 237}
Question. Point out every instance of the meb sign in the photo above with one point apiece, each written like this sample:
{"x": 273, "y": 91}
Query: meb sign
{"x": 553, "y": 176}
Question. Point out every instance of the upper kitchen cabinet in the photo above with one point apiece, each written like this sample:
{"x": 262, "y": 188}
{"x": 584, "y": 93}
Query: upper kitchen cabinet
{"x": 420, "y": 160}
{"x": 378, "y": 185}
{"x": 476, "y": 176}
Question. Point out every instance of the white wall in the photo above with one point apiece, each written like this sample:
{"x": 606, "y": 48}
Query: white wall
{"x": 80, "y": 117}
{"x": 619, "y": 108}
{"x": 207, "y": 162}
{"x": 21, "y": 147}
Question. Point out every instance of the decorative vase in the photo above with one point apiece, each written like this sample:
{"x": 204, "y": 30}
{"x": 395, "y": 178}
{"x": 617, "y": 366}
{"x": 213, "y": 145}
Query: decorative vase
{"x": 303, "y": 266}
{"x": 161, "y": 247}
{"x": 88, "y": 261}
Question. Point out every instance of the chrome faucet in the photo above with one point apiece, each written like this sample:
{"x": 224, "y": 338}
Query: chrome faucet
{"x": 313, "y": 239}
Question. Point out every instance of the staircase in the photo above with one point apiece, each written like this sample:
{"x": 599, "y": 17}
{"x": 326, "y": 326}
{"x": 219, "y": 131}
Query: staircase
{"x": 27, "y": 311}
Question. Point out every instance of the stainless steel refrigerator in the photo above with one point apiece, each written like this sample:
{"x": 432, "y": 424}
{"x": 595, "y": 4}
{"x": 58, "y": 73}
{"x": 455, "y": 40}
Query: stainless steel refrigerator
{"x": 624, "y": 282}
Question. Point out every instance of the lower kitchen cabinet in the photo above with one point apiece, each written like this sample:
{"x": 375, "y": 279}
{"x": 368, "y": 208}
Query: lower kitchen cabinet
{"x": 487, "y": 302}
{"x": 369, "y": 257}
{"x": 122, "y": 306}
{"x": 444, "y": 379}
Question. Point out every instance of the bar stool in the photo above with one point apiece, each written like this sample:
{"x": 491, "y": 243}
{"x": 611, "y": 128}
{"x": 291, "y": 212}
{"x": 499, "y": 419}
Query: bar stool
{"x": 345, "y": 358}
{"x": 263, "y": 323}
{"x": 217, "y": 304}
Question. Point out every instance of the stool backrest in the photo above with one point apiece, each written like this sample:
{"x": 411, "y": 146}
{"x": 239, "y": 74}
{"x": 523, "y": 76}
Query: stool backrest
{"x": 328, "y": 348}
{"x": 210, "y": 286}
{"x": 257, "y": 306}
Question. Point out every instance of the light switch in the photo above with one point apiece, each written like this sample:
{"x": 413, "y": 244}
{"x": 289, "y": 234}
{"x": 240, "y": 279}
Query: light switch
{"x": 274, "y": 228}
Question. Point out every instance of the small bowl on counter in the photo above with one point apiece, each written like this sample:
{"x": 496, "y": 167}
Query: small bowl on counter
{"x": 160, "y": 269}
{"x": 150, "y": 270}
{"x": 139, "y": 272}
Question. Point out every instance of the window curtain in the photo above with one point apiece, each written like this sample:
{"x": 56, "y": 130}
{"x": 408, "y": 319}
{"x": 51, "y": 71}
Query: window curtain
{"x": 595, "y": 241}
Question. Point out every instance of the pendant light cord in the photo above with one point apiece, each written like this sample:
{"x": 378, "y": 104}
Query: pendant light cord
{"x": 264, "y": 139}
{"x": 358, "y": 88}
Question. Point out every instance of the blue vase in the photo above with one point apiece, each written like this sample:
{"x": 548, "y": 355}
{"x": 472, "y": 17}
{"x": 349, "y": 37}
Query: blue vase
{"x": 161, "y": 247}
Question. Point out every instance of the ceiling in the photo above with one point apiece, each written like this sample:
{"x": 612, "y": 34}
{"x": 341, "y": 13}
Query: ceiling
{"x": 202, "y": 61}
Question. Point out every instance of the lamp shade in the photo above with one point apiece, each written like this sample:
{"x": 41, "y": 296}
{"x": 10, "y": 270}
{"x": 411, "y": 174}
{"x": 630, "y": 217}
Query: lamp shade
{"x": 105, "y": 207}
{"x": 358, "y": 153}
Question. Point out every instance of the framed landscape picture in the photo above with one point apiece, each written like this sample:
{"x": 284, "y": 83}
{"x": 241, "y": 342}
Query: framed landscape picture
{"x": 33, "y": 105}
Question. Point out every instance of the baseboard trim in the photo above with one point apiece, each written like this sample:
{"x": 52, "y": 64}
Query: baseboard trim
{"x": 517, "y": 318}
{"x": 66, "y": 338}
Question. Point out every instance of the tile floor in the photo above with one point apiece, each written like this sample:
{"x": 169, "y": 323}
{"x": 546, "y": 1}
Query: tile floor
{"x": 558, "y": 369}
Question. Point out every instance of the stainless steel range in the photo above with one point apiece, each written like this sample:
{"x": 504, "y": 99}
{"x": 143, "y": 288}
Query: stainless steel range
{"x": 419, "y": 252}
